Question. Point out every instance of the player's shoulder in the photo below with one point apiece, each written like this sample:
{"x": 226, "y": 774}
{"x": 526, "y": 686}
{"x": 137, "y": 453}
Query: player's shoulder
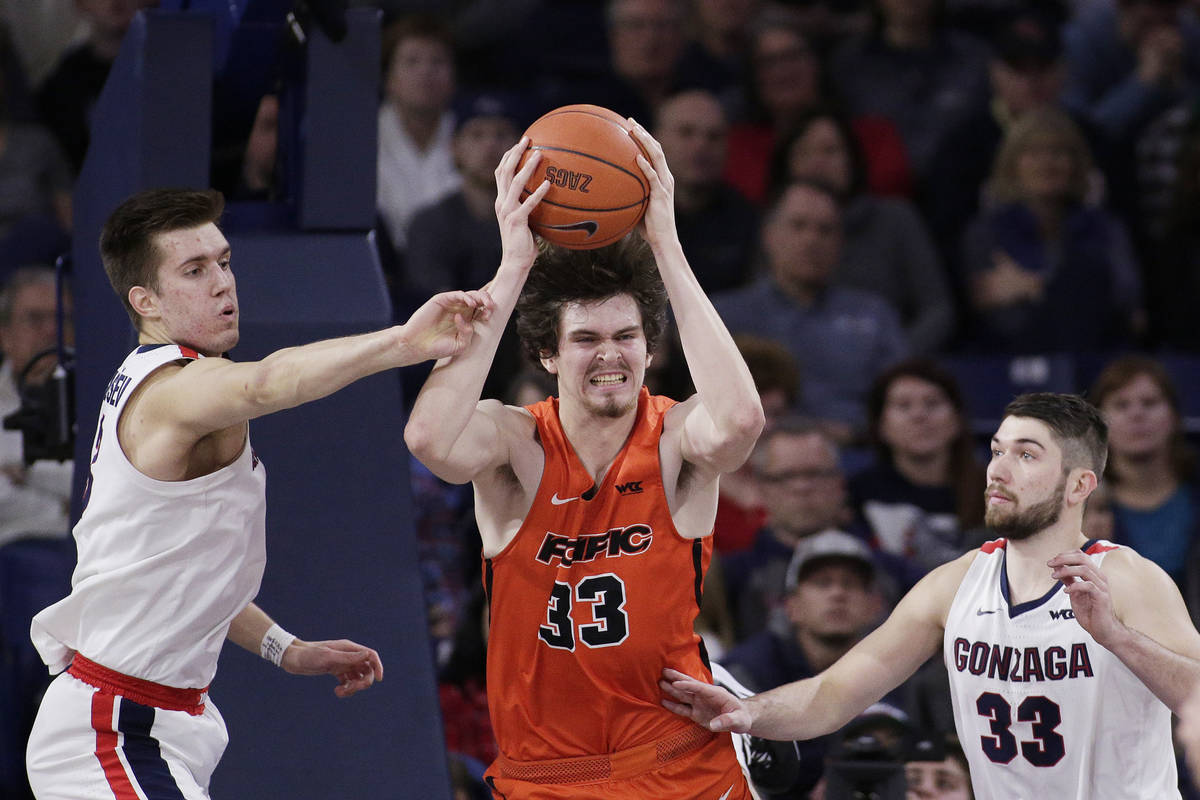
{"x": 515, "y": 424}
{"x": 676, "y": 412}
{"x": 1128, "y": 568}
{"x": 941, "y": 584}
{"x": 504, "y": 413}
{"x": 166, "y": 375}
{"x": 952, "y": 572}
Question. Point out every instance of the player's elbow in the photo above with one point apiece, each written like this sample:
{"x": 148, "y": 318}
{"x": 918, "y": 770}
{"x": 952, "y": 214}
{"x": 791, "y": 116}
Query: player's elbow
{"x": 420, "y": 436}
{"x": 746, "y": 422}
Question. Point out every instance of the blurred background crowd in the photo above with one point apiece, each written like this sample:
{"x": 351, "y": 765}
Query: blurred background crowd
{"x": 906, "y": 211}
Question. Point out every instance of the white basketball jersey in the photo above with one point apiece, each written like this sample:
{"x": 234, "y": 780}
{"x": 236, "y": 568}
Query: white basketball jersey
{"x": 164, "y": 566}
{"x": 1041, "y": 709}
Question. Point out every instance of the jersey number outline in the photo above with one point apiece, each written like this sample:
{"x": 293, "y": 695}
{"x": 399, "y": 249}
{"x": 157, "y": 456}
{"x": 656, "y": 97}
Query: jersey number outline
{"x": 609, "y": 624}
{"x": 1047, "y": 747}
{"x": 87, "y": 486}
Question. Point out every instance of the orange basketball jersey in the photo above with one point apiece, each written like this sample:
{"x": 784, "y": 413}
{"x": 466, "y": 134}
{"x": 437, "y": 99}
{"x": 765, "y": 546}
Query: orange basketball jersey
{"x": 595, "y": 594}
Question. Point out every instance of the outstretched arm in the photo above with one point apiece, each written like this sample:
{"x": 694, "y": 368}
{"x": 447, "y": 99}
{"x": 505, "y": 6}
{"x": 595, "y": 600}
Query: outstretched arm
{"x": 355, "y": 666}
{"x": 721, "y": 429}
{"x": 822, "y": 704}
{"x": 212, "y": 394}
{"x": 1134, "y": 609}
{"x": 449, "y": 431}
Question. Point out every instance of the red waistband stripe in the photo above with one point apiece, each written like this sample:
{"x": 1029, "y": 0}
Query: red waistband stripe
{"x": 138, "y": 690}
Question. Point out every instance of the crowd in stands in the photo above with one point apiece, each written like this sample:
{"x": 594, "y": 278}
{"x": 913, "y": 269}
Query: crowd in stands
{"x": 873, "y": 192}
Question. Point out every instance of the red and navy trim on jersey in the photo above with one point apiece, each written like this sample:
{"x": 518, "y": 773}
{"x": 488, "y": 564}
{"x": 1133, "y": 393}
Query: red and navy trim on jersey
{"x": 184, "y": 352}
{"x": 1091, "y": 547}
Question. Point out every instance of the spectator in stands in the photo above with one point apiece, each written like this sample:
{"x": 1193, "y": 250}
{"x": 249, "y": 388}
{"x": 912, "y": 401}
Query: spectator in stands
{"x": 646, "y": 40}
{"x": 831, "y": 602}
{"x": 804, "y": 493}
{"x": 936, "y": 769}
{"x": 462, "y": 686}
{"x": 886, "y": 246}
{"x": 625, "y": 55}
{"x": 718, "y": 227}
{"x": 1173, "y": 274}
{"x": 486, "y": 124}
{"x": 455, "y": 241}
{"x": 717, "y": 51}
{"x": 47, "y": 29}
{"x": 1154, "y": 171}
{"x": 913, "y": 70}
{"x": 35, "y": 499}
{"x": 1130, "y": 60}
{"x": 65, "y": 99}
{"x": 785, "y": 81}
{"x": 35, "y": 191}
{"x": 1151, "y": 468}
{"x": 416, "y": 124}
{"x": 257, "y": 178}
{"x": 740, "y": 512}
{"x": 924, "y": 493}
{"x": 1046, "y": 269}
{"x": 1027, "y": 71}
{"x": 840, "y": 337}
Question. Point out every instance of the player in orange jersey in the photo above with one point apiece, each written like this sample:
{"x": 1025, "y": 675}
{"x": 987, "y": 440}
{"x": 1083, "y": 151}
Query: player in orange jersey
{"x": 595, "y": 507}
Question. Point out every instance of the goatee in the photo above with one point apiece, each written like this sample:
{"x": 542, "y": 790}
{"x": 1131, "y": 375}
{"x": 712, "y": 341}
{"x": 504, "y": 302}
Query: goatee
{"x": 1015, "y": 525}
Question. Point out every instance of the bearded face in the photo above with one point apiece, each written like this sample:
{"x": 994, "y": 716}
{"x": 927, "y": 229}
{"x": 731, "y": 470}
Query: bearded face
{"x": 1014, "y": 522}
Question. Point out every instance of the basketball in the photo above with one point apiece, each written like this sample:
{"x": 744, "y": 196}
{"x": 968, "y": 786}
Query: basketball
{"x": 597, "y": 190}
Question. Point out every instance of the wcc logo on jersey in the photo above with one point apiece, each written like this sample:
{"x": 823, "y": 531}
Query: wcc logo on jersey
{"x": 567, "y": 550}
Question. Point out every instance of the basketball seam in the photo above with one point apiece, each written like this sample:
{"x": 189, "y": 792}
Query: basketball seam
{"x": 525, "y": 193}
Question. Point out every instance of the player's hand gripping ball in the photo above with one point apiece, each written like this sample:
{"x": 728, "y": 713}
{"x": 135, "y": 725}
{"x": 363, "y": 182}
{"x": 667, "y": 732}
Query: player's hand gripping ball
{"x": 597, "y": 190}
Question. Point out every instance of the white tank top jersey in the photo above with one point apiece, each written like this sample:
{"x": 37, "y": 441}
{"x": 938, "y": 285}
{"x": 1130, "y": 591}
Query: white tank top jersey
{"x": 1041, "y": 709}
{"x": 164, "y": 566}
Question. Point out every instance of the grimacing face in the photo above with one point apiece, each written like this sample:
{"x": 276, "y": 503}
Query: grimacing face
{"x": 602, "y": 355}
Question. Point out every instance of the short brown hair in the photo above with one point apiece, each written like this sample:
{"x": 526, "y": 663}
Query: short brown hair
{"x": 415, "y": 25}
{"x": 966, "y": 474}
{"x": 127, "y": 242}
{"x": 1125, "y": 370}
{"x": 1077, "y": 424}
{"x": 560, "y": 276}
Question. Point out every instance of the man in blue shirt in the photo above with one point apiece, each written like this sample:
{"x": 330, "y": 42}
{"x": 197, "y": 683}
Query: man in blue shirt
{"x": 841, "y": 337}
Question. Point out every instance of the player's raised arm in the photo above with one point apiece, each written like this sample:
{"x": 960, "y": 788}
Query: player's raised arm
{"x": 721, "y": 428}
{"x": 449, "y": 430}
{"x": 1133, "y": 608}
{"x": 822, "y": 704}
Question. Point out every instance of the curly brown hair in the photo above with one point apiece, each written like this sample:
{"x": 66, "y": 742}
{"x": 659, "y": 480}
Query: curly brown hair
{"x": 560, "y": 276}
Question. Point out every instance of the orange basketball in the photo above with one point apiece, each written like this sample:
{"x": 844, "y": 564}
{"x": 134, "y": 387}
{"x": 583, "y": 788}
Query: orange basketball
{"x": 597, "y": 190}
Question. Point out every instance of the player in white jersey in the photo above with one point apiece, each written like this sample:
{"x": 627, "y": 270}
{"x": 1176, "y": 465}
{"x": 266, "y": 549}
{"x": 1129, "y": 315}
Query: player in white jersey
{"x": 171, "y": 540}
{"x": 1067, "y": 656}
